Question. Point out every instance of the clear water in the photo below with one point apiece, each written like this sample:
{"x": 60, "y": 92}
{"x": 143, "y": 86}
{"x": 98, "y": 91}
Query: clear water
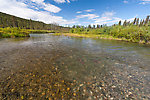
{"x": 122, "y": 68}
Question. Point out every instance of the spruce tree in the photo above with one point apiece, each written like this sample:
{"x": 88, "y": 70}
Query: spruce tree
{"x": 119, "y": 23}
{"x": 98, "y": 26}
{"x": 147, "y": 19}
{"x": 125, "y": 23}
{"x": 137, "y": 22}
{"x": 134, "y": 22}
{"x": 89, "y": 26}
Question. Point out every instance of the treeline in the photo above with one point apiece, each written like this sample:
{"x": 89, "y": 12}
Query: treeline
{"x": 136, "y": 22}
{"x": 7, "y": 20}
{"x": 135, "y": 31}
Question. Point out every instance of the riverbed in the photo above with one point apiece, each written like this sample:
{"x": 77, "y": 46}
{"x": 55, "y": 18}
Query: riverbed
{"x": 60, "y": 67}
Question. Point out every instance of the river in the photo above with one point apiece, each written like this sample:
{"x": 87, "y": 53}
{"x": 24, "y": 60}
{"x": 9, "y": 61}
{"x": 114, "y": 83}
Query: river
{"x": 60, "y": 67}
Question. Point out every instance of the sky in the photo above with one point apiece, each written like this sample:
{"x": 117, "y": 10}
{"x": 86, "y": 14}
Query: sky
{"x": 77, "y": 12}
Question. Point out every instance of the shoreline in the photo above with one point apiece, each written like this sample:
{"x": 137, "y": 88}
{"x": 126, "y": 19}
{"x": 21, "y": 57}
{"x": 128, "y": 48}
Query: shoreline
{"x": 102, "y": 36}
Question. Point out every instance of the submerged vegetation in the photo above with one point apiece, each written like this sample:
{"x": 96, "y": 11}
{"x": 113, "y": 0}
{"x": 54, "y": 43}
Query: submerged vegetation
{"x": 130, "y": 31}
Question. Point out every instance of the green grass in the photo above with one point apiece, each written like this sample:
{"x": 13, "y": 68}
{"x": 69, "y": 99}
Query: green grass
{"x": 17, "y": 32}
{"x": 41, "y": 31}
{"x": 131, "y": 33}
{"x": 99, "y": 36}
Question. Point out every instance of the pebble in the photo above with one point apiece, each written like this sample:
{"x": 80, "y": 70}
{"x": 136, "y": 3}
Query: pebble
{"x": 81, "y": 85}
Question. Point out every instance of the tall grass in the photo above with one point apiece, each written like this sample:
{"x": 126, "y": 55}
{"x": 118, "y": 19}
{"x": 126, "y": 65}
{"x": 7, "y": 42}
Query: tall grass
{"x": 132, "y": 33}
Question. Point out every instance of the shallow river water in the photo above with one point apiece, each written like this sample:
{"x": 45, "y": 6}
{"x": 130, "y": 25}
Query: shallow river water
{"x": 60, "y": 67}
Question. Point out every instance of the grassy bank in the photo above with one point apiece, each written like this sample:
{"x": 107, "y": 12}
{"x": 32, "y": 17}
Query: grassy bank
{"x": 100, "y": 36}
{"x": 17, "y": 32}
{"x": 131, "y": 33}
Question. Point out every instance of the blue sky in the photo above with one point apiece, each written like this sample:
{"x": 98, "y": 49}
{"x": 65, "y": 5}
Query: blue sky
{"x": 78, "y": 12}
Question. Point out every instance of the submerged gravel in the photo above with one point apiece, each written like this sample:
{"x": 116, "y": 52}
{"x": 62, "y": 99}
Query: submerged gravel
{"x": 57, "y": 68}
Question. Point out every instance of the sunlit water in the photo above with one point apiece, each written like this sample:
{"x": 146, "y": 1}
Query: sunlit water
{"x": 120, "y": 69}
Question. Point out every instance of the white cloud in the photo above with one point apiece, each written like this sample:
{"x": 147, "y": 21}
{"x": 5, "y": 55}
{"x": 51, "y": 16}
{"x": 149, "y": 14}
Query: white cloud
{"x": 51, "y": 8}
{"x": 145, "y": 2}
{"x": 89, "y": 10}
{"x": 107, "y": 18}
{"x": 125, "y": 1}
{"x": 21, "y": 9}
{"x": 78, "y": 12}
{"x": 110, "y": 19}
{"x": 38, "y": 1}
{"x": 68, "y": 1}
{"x": 108, "y": 14}
{"x": 89, "y": 16}
{"x": 48, "y": 7}
{"x": 62, "y": 1}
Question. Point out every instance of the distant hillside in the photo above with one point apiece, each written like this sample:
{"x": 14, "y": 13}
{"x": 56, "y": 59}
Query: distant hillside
{"x": 7, "y": 20}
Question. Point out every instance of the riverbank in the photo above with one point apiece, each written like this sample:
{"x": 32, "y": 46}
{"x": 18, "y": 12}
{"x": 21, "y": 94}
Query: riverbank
{"x": 100, "y": 36}
{"x": 17, "y": 32}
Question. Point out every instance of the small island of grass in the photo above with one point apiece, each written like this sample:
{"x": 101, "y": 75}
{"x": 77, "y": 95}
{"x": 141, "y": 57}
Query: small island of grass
{"x": 18, "y": 32}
